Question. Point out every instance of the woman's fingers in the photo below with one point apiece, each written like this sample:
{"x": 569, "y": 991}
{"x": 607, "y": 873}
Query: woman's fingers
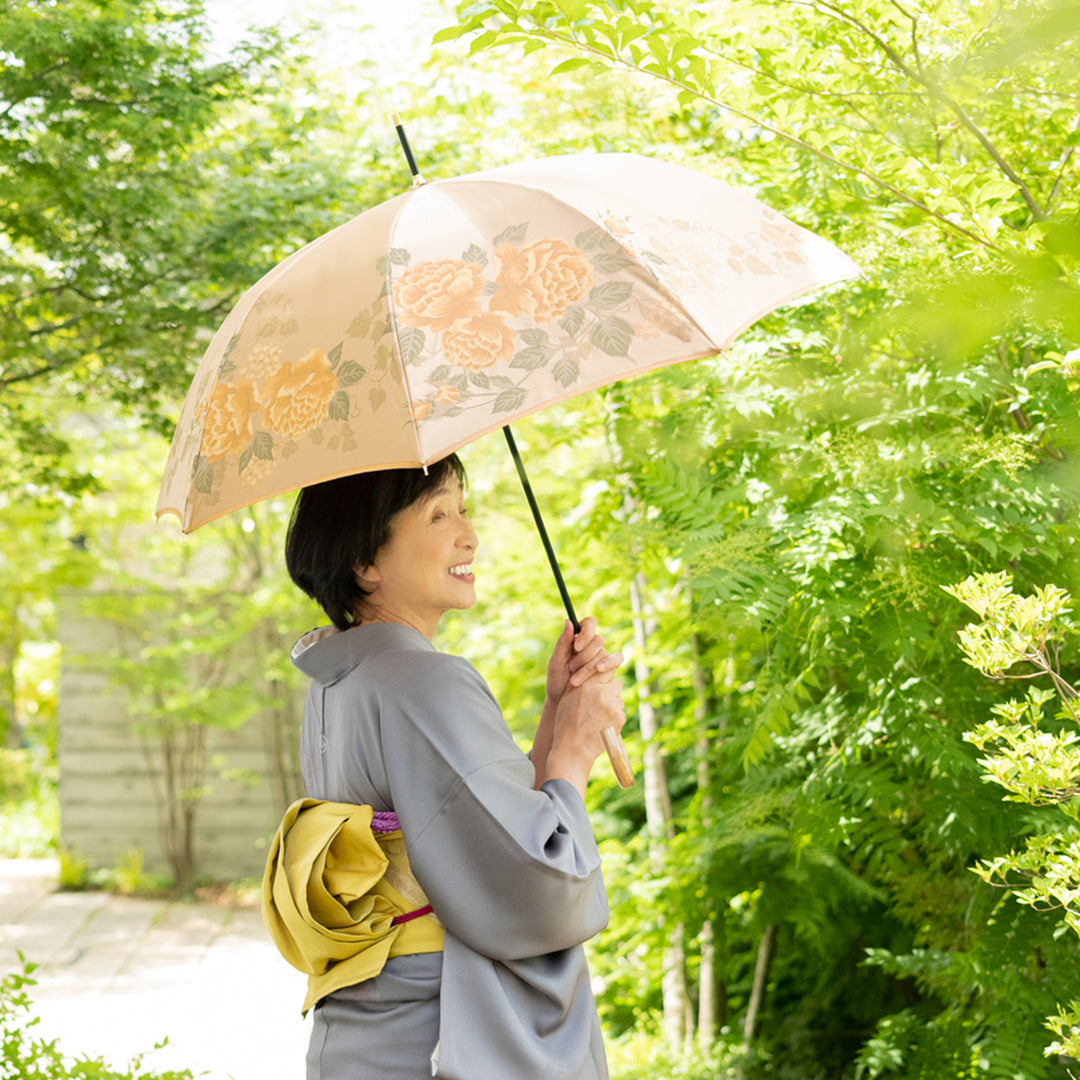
{"x": 599, "y": 666}
{"x": 585, "y": 634}
{"x": 588, "y": 654}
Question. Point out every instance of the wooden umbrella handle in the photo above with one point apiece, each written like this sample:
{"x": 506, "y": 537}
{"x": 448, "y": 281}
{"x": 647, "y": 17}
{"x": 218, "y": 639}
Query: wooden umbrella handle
{"x": 613, "y": 743}
{"x": 616, "y": 752}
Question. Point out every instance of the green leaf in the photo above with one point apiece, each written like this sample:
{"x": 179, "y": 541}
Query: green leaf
{"x": 534, "y": 336}
{"x": 596, "y": 237}
{"x": 360, "y": 325}
{"x": 683, "y": 47}
{"x": 398, "y": 256}
{"x": 339, "y": 406}
{"x": 474, "y": 254}
{"x": 509, "y": 400}
{"x": 611, "y": 262}
{"x": 262, "y": 446}
{"x": 573, "y": 319}
{"x": 611, "y": 293}
{"x": 566, "y": 371}
{"x": 448, "y": 33}
{"x": 573, "y": 9}
{"x": 513, "y": 235}
{"x": 482, "y": 41}
{"x": 613, "y": 335}
{"x": 233, "y": 342}
{"x": 534, "y": 357}
{"x": 351, "y": 373}
{"x": 411, "y": 341}
{"x": 376, "y": 397}
{"x": 571, "y": 65}
{"x": 334, "y": 356}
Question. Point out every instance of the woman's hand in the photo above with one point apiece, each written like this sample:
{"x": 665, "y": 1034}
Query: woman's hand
{"x": 583, "y": 713}
{"x": 578, "y": 658}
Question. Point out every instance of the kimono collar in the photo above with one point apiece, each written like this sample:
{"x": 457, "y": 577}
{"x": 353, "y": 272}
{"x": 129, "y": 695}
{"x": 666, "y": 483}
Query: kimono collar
{"x": 328, "y": 654}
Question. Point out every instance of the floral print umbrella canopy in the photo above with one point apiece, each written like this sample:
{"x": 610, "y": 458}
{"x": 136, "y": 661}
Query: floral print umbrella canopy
{"x": 457, "y": 307}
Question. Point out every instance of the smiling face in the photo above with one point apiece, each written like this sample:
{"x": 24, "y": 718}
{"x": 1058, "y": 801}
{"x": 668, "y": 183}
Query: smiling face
{"x": 425, "y": 568}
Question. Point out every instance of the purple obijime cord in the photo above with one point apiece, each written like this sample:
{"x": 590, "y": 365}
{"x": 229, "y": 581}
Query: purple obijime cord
{"x": 386, "y": 821}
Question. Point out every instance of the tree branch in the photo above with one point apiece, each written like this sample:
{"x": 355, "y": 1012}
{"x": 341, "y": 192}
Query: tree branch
{"x": 1065, "y": 158}
{"x": 36, "y": 373}
{"x": 939, "y": 94}
{"x": 34, "y": 78}
{"x": 857, "y": 170}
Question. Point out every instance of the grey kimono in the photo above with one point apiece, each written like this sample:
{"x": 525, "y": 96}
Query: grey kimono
{"x": 513, "y": 873}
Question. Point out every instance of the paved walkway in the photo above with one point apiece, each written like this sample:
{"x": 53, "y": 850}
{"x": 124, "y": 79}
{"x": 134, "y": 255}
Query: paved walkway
{"x": 117, "y": 975}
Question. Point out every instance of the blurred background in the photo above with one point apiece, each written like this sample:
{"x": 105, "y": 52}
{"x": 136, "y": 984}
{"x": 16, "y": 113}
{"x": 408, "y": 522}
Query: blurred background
{"x": 811, "y": 877}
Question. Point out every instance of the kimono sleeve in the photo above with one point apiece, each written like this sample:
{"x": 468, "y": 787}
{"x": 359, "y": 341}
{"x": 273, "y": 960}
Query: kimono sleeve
{"x": 510, "y": 871}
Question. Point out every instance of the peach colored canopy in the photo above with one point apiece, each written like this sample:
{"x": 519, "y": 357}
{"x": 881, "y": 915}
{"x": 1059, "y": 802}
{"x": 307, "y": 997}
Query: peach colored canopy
{"x": 463, "y": 304}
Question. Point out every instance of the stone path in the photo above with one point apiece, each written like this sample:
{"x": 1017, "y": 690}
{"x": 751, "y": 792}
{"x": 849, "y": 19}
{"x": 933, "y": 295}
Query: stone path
{"x": 118, "y": 975}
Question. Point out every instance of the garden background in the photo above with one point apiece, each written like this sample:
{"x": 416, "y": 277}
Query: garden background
{"x": 813, "y": 877}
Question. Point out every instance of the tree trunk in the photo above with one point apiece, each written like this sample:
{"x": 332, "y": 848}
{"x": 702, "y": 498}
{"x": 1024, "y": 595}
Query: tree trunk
{"x": 678, "y": 1019}
{"x": 761, "y": 979}
{"x": 706, "y": 1019}
{"x": 676, "y": 1000}
{"x": 10, "y": 735}
{"x": 712, "y": 989}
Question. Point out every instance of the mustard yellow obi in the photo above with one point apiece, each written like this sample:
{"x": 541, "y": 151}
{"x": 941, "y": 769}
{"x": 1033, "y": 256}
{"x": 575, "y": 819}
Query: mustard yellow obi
{"x": 339, "y": 899}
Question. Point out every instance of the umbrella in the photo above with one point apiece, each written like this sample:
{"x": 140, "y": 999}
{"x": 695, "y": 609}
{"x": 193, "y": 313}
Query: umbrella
{"x": 451, "y": 310}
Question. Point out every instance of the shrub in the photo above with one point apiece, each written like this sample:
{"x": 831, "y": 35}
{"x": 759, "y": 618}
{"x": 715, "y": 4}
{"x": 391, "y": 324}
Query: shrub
{"x": 26, "y": 1057}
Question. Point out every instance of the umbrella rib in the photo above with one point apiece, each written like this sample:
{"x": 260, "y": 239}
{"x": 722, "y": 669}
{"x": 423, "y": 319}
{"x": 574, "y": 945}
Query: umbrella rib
{"x": 402, "y": 366}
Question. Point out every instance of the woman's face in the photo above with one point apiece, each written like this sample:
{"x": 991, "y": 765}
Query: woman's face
{"x": 425, "y": 568}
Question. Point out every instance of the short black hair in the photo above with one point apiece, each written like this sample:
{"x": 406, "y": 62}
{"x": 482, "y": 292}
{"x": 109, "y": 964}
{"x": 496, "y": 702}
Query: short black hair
{"x": 339, "y": 526}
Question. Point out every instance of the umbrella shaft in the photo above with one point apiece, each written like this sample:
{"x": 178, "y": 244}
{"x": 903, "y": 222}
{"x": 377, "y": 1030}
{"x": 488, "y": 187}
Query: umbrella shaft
{"x": 520, "y": 465}
{"x": 404, "y": 140}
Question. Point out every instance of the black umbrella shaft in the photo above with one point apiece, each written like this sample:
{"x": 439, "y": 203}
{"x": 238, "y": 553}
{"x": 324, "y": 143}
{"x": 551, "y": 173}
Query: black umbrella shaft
{"x": 540, "y": 528}
{"x": 405, "y": 145}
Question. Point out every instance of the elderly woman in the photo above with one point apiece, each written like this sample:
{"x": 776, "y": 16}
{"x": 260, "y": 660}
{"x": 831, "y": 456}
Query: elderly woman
{"x": 495, "y": 984}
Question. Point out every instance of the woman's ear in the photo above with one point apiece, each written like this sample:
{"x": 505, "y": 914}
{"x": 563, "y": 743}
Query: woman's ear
{"x": 367, "y": 576}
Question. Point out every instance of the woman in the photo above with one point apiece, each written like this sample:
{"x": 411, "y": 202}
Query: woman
{"x": 500, "y": 843}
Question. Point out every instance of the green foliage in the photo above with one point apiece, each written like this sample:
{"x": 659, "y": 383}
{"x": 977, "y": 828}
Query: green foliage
{"x": 27, "y": 1056}
{"x": 646, "y": 1058}
{"x": 29, "y": 810}
{"x": 135, "y": 174}
{"x": 1037, "y": 767}
{"x": 800, "y": 502}
{"x": 74, "y": 873}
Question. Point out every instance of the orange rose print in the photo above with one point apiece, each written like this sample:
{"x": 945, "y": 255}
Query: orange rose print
{"x": 479, "y": 342}
{"x": 421, "y": 410}
{"x": 227, "y": 425}
{"x": 263, "y": 359}
{"x": 543, "y": 278}
{"x": 437, "y": 292}
{"x": 297, "y": 395}
{"x": 258, "y": 469}
{"x": 447, "y": 394}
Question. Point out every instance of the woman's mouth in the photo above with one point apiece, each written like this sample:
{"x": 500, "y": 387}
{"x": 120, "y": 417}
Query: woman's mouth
{"x": 464, "y": 570}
